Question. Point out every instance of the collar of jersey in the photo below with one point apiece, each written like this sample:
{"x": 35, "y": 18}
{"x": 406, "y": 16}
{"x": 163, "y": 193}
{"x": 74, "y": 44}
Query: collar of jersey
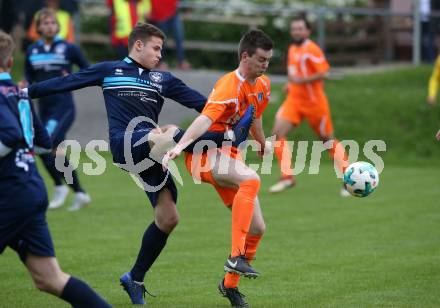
{"x": 5, "y": 76}
{"x": 130, "y": 60}
{"x": 55, "y": 40}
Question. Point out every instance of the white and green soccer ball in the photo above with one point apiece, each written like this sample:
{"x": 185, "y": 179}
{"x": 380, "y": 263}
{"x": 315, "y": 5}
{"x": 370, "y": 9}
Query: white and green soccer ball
{"x": 361, "y": 179}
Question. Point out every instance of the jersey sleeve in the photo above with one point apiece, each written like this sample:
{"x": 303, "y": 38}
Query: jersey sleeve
{"x": 434, "y": 80}
{"x": 214, "y": 111}
{"x": 178, "y": 91}
{"x": 41, "y": 137}
{"x": 223, "y": 95}
{"x": 317, "y": 61}
{"x": 92, "y": 76}
{"x": 10, "y": 132}
{"x": 78, "y": 57}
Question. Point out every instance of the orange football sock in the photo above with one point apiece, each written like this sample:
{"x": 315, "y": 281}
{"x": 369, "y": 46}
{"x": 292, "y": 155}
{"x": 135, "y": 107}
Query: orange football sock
{"x": 337, "y": 152}
{"x": 231, "y": 280}
{"x": 284, "y": 157}
{"x": 252, "y": 241}
{"x": 242, "y": 211}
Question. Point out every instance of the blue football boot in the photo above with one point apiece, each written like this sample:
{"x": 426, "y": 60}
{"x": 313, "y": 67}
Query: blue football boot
{"x": 135, "y": 290}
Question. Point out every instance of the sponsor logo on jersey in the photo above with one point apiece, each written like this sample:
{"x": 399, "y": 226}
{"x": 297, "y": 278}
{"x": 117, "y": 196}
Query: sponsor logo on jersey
{"x": 156, "y": 76}
{"x": 60, "y": 48}
{"x": 23, "y": 158}
{"x": 140, "y": 94}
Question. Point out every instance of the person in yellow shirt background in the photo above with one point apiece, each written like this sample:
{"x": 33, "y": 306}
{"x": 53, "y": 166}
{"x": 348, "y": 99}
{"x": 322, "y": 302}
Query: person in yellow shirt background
{"x": 433, "y": 87}
{"x": 434, "y": 83}
{"x": 125, "y": 14}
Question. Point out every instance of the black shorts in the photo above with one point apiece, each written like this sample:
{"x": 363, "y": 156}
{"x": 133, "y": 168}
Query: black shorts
{"x": 28, "y": 235}
{"x": 150, "y": 175}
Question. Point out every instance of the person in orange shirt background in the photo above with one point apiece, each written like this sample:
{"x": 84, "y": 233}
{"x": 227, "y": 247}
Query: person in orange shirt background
{"x": 307, "y": 68}
{"x": 232, "y": 97}
{"x": 64, "y": 19}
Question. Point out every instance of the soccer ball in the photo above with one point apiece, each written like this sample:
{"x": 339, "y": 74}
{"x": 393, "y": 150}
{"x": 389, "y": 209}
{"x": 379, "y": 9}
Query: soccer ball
{"x": 361, "y": 179}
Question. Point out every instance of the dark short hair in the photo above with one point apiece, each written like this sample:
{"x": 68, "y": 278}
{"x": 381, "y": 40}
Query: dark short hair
{"x": 6, "y": 48}
{"x": 252, "y": 40}
{"x": 143, "y": 32}
{"x": 303, "y": 19}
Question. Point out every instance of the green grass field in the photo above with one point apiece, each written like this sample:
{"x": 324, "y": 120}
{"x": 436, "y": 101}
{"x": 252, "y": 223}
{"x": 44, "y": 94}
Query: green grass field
{"x": 319, "y": 250}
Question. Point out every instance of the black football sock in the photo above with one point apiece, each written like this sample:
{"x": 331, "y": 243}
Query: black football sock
{"x": 153, "y": 242}
{"x": 49, "y": 163}
{"x": 75, "y": 186}
{"x": 77, "y": 293}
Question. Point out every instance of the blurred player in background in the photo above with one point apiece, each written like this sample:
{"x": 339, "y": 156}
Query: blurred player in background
{"x": 307, "y": 68}
{"x": 47, "y": 58}
{"x": 65, "y": 23}
{"x": 236, "y": 183}
{"x": 23, "y": 196}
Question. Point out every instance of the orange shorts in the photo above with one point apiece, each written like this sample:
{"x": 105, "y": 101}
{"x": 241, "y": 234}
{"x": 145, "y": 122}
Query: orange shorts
{"x": 196, "y": 163}
{"x": 317, "y": 115}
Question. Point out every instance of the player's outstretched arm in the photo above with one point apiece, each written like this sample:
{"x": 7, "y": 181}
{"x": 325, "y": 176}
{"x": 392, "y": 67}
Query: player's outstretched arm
{"x": 257, "y": 133}
{"x": 92, "y": 76}
{"x": 198, "y": 127}
{"x": 438, "y": 135}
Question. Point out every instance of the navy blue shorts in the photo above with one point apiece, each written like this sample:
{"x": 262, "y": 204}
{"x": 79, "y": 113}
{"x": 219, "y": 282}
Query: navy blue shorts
{"x": 151, "y": 176}
{"x": 57, "y": 121}
{"x": 29, "y": 235}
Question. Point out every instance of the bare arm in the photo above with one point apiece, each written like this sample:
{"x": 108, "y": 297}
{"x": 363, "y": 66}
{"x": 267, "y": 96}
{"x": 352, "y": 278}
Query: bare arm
{"x": 257, "y": 132}
{"x": 197, "y": 128}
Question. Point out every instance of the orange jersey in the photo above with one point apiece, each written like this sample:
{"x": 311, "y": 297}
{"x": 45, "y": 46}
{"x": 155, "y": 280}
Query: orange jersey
{"x": 231, "y": 96}
{"x": 303, "y": 61}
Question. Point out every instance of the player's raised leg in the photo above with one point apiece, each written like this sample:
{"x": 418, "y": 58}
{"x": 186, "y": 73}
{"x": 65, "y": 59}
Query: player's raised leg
{"x": 240, "y": 132}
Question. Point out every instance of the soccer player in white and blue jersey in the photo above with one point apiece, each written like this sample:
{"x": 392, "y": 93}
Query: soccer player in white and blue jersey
{"x": 23, "y": 196}
{"x": 47, "y": 58}
{"x": 133, "y": 89}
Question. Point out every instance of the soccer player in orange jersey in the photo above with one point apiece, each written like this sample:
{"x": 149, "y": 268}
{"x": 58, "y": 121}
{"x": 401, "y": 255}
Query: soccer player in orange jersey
{"x": 307, "y": 68}
{"x": 236, "y": 183}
